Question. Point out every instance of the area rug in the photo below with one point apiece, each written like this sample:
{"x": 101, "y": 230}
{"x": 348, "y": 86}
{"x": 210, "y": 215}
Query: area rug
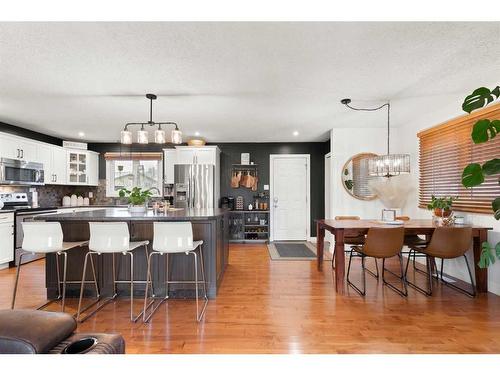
{"x": 294, "y": 250}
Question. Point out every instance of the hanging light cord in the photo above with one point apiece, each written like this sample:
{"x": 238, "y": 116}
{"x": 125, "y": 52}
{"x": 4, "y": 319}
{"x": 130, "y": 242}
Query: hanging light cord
{"x": 388, "y": 105}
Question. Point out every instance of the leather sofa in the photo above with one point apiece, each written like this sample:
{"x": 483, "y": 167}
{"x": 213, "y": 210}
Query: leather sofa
{"x": 36, "y": 332}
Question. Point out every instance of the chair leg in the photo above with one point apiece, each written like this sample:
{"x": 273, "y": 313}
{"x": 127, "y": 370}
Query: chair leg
{"x": 204, "y": 280}
{"x": 196, "y": 283}
{"x": 58, "y": 272}
{"x": 146, "y": 318}
{"x": 427, "y": 292}
{"x": 18, "y": 271}
{"x": 464, "y": 291}
{"x": 402, "y": 292}
{"x": 65, "y": 263}
{"x": 363, "y": 276}
{"x": 429, "y": 273}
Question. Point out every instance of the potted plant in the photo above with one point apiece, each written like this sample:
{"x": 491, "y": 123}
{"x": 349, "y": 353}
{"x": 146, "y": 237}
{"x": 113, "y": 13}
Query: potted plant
{"x": 137, "y": 198}
{"x": 441, "y": 206}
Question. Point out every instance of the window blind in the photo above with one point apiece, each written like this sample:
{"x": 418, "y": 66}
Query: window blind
{"x": 133, "y": 156}
{"x": 445, "y": 150}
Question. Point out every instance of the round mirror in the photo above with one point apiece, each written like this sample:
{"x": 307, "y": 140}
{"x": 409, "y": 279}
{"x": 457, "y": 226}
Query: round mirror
{"x": 355, "y": 176}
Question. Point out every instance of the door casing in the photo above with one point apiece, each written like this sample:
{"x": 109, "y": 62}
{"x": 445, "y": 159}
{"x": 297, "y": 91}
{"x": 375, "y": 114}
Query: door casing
{"x": 307, "y": 158}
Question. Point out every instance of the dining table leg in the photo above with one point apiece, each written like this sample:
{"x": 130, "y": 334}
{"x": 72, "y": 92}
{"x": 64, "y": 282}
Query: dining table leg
{"x": 339, "y": 261}
{"x": 320, "y": 244}
{"x": 481, "y": 274}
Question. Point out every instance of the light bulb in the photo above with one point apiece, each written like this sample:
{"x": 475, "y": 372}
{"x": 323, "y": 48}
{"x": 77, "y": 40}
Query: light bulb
{"x": 160, "y": 136}
{"x": 176, "y": 136}
{"x": 142, "y": 136}
{"x": 126, "y": 137}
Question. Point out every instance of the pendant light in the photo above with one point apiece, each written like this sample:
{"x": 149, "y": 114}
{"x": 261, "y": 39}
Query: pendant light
{"x": 126, "y": 136}
{"x": 388, "y": 165}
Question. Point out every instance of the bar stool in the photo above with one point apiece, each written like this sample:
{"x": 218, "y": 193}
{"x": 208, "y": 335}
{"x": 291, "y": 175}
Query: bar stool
{"x": 46, "y": 238}
{"x": 111, "y": 238}
{"x": 176, "y": 238}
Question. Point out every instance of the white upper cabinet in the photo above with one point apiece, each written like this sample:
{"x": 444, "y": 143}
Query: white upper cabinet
{"x": 93, "y": 168}
{"x": 197, "y": 155}
{"x": 17, "y": 148}
{"x": 83, "y": 167}
{"x": 61, "y": 166}
{"x": 169, "y": 160}
{"x": 54, "y": 163}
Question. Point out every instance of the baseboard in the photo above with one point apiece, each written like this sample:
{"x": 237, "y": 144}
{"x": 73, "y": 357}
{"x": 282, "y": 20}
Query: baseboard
{"x": 312, "y": 239}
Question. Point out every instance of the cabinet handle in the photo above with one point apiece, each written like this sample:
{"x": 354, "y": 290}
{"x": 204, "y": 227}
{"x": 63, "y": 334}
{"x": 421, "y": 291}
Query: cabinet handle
{"x": 18, "y": 154}
{"x": 55, "y": 178}
{"x": 22, "y": 154}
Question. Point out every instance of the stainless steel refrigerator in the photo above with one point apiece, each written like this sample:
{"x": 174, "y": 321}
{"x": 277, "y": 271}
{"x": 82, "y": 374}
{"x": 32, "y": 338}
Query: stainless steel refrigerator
{"x": 194, "y": 186}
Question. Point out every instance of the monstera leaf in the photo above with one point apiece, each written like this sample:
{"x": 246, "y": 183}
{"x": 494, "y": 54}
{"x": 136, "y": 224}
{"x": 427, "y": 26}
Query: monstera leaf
{"x": 491, "y": 167}
{"x": 486, "y": 258}
{"x": 496, "y": 208}
{"x": 485, "y": 130}
{"x": 479, "y": 98}
{"x": 472, "y": 175}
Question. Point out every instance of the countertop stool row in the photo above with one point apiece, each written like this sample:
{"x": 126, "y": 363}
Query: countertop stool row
{"x": 114, "y": 238}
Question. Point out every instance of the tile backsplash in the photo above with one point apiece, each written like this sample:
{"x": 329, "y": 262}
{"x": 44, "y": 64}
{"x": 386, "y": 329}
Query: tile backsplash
{"x": 52, "y": 195}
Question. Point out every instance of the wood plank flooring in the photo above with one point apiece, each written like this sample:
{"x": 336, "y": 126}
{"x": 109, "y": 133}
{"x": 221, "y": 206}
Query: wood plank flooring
{"x": 269, "y": 306}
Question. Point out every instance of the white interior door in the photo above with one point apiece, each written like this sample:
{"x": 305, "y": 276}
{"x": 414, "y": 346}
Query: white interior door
{"x": 328, "y": 192}
{"x": 290, "y": 197}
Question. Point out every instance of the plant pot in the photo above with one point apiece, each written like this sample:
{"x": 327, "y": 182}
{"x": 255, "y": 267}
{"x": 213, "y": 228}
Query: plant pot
{"x": 439, "y": 212}
{"x": 137, "y": 209}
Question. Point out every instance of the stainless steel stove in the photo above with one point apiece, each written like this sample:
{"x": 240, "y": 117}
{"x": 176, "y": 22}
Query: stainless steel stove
{"x": 23, "y": 212}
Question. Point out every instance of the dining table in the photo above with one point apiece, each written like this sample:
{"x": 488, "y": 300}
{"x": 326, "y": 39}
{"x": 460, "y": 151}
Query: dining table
{"x": 351, "y": 228}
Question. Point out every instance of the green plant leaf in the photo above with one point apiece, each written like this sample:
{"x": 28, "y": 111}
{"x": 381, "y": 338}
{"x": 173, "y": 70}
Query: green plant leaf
{"x": 479, "y": 98}
{"x": 496, "y": 208}
{"x": 497, "y": 249}
{"x": 491, "y": 167}
{"x": 485, "y": 130}
{"x": 487, "y": 258}
{"x": 472, "y": 175}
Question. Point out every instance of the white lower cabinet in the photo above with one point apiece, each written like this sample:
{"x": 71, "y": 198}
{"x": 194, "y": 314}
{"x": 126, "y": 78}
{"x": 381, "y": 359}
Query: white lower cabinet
{"x": 6, "y": 238}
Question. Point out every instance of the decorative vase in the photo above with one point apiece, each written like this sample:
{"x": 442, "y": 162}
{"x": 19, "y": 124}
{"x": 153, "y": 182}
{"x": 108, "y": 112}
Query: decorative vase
{"x": 137, "y": 209}
{"x": 439, "y": 212}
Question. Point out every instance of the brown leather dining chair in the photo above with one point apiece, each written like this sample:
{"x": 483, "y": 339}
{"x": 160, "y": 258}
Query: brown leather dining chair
{"x": 446, "y": 243}
{"x": 381, "y": 243}
{"x": 413, "y": 240}
{"x": 354, "y": 241}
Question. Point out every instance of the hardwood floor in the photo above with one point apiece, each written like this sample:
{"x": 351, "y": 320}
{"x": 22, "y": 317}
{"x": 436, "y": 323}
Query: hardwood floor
{"x": 269, "y": 306}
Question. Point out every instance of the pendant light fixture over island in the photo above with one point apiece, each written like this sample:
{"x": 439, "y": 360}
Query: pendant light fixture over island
{"x": 388, "y": 165}
{"x": 126, "y": 136}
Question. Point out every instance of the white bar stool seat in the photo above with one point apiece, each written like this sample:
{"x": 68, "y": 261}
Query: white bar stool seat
{"x": 46, "y": 238}
{"x": 111, "y": 238}
{"x": 175, "y": 238}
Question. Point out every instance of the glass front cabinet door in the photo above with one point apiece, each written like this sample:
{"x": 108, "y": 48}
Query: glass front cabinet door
{"x": 77, "y": 167}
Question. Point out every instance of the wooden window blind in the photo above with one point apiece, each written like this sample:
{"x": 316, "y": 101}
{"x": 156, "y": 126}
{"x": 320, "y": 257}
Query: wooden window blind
{"x": 445, "y": 150}
{"x": 133, "y": 156}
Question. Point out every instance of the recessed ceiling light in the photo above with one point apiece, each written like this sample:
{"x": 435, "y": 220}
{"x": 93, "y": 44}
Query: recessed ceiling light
{"x": 81, "y": 134}
{"x": 295, "y": 133}
{"x": 197, "y": 133}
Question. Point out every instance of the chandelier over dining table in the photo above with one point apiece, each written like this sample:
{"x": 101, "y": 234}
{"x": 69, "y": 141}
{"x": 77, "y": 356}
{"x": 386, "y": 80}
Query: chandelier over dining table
{"x": 387, "y": 165}
{"x": 126, "y": 136}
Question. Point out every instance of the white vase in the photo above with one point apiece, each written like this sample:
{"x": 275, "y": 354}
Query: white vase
{"x": 79, "y": 201}
{"x": 137, "y": 209}
{"x": 74, "y": 200}
{"x": 86, "y": 201}
{"x": 66, "y": 201}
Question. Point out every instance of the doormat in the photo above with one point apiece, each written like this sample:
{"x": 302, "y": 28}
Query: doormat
{"x": 294, "y": 250}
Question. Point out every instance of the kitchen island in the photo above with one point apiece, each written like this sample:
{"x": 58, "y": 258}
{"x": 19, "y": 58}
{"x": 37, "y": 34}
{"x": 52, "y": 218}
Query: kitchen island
{"x": 209, "y": 225}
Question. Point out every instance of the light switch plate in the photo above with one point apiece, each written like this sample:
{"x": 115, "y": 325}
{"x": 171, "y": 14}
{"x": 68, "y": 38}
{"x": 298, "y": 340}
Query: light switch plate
{"x": 266, "y": 187}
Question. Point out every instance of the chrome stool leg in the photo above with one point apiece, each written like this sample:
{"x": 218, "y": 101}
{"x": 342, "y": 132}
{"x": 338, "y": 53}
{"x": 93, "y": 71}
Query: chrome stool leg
{"x": 18, "y": 271}
{"x": 202, "y": 266}
{"x": 146, "y": 318}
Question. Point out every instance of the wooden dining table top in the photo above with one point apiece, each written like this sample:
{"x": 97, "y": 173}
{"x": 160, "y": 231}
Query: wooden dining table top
{"x": 375, "y": 223}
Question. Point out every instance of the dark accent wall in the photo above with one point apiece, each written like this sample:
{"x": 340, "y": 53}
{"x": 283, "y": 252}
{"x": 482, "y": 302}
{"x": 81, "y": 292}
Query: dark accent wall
{"x": 259, "y": 154}
{"x": 22, "y": 132}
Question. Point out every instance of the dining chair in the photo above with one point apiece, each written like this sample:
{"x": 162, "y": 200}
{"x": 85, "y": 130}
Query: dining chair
{"x": 354, "y": 241}
{"x": 381, "y": 243}
{"x": 445, "y": 243}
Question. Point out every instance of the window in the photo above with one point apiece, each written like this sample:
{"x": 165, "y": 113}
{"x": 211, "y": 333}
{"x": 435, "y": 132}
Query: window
{"x": 143, "y": 170}
{"x": 445, "y": 150}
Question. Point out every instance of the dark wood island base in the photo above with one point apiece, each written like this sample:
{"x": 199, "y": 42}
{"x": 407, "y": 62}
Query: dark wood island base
{"x": 211, "y": 226}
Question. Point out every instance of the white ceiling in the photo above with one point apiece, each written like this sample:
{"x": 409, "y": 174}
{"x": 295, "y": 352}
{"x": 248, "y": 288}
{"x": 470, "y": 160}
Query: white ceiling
{"x": 235, "y": 81}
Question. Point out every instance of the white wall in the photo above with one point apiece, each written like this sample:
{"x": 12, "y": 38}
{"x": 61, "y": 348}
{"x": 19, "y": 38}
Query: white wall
{"x": 348, "y": 141}
{"x": 408, "y": 143}
{"x": 345, "y": 143}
